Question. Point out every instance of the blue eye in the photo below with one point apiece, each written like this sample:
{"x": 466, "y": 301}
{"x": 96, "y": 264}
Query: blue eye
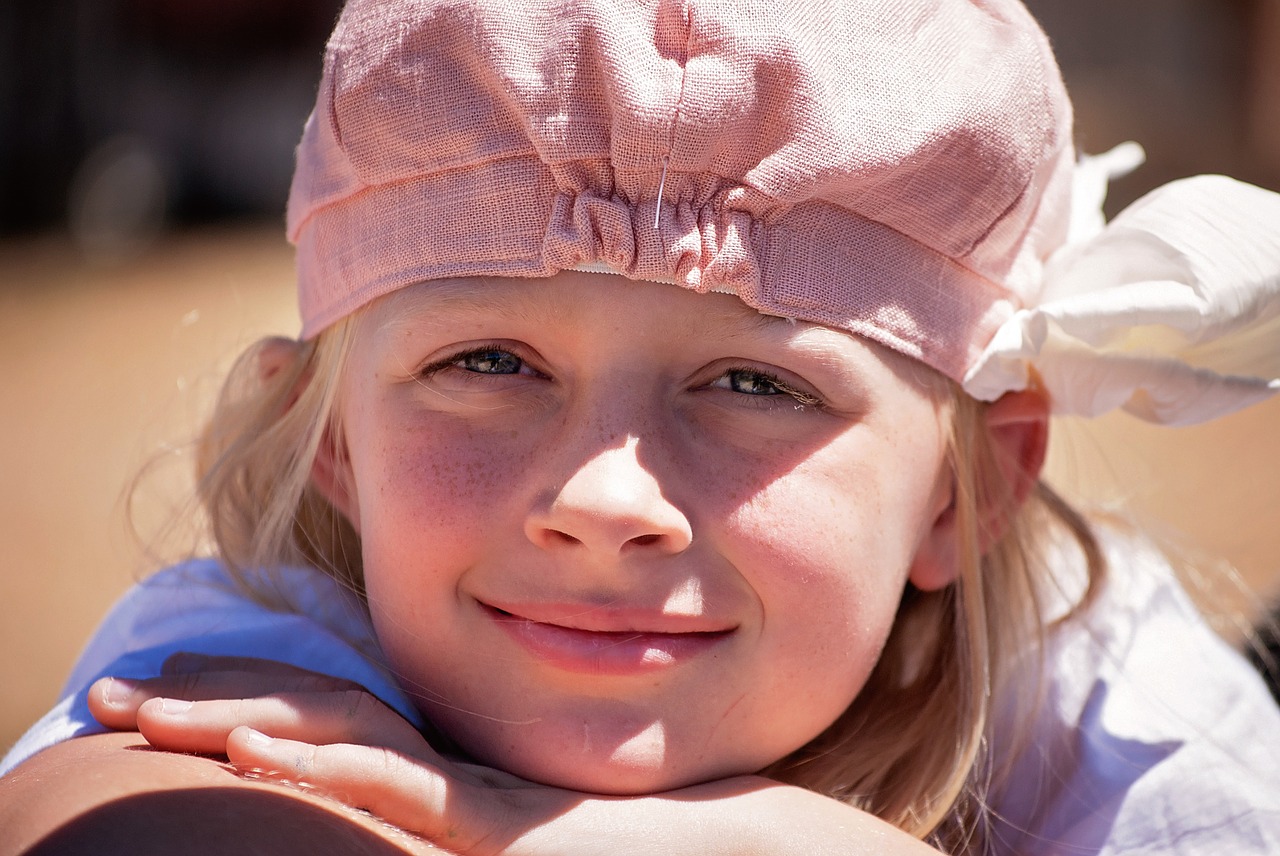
{"x": 490, "y": 361}
{"x": 762, "y": 385}
{"x": 479, "y": 365}
{"x": 753, "y": 383}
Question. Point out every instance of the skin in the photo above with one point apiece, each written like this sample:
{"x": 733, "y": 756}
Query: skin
{"x": 608, "y": 465}
{"x": 114, "y": 794}
{"x": 640, "y": 465}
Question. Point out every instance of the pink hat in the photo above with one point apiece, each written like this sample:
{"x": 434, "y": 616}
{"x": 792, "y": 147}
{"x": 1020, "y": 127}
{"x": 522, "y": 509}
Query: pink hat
{"x": 900, "y": 170}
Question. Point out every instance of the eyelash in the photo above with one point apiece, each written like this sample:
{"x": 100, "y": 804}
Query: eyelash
{"x": 785, "y": 390}
{"x": 451, "y": 362}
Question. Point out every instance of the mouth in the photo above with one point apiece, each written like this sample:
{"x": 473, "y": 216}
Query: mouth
{"x": 651, "y": 646}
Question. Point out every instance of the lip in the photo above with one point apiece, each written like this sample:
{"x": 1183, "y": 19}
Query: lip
{"x": 609, "y": 650}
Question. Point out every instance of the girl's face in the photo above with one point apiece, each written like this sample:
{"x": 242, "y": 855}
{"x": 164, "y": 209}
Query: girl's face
{"x": 622, "y": 537}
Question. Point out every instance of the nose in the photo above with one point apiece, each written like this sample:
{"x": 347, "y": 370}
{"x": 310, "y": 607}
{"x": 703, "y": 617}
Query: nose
{"x": 611, "y": 504}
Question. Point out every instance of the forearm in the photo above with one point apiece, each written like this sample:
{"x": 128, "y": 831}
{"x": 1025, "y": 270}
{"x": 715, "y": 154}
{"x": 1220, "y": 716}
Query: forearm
{"x": 110, "y": 794}
{"x": 343, "y": 743}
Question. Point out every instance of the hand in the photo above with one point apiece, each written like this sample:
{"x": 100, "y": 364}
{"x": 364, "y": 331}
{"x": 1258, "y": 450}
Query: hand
{"x": 279, "y": 723}
{"x": 137, "y": 705}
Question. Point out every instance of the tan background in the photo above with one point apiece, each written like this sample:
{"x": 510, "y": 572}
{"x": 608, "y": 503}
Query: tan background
{"x": 103, "y": 363}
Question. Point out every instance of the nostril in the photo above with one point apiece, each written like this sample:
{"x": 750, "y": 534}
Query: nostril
{"x": 645, "y": 540}
{"x": 562, "y": 537}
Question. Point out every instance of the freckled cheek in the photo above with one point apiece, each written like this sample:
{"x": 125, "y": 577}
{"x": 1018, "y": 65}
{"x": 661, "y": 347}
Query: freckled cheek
{"x": 439, "y": 482}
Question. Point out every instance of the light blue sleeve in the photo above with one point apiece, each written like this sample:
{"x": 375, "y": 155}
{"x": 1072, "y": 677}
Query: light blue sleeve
{"x": 196, "y": 607}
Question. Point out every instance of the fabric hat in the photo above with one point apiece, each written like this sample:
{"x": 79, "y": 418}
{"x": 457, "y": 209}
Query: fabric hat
{"x": 900, "y": 170}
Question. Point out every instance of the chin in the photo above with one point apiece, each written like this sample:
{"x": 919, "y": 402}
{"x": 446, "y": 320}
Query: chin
{"x": 603, "y": 746}
{"x": 615, "y": 779}
{"x": 627, "y": 770}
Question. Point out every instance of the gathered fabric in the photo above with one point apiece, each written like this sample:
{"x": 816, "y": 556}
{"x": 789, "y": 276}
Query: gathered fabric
{"x": 900, "y": 171}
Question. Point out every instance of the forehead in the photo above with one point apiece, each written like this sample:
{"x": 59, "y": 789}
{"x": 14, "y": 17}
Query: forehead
{"x": 571, "y": 295}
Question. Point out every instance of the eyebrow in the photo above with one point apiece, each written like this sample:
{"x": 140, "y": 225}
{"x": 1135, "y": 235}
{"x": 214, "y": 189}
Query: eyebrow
{"x": 725, "y": 322}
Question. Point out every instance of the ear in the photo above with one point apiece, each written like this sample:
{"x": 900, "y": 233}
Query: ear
{"x": 278, "y": 354}
{"x": 1018, "y": 423}
{"x": 1018, "y": 427}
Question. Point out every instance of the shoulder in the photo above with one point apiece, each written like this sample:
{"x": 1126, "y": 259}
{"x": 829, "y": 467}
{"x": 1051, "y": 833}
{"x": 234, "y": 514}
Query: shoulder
{"x": 1155, "y": 735}
{"x": 296, "y": 616}
{"x": 202, "y": 597}
{"x": 109, "y": 793}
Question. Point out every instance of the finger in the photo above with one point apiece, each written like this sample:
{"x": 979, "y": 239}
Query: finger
{"x": 187, "y": 662}
{"x": 490, "y": 777}
{"x": 115, "y": 701}
{"x": 348, "y": 716}
{"x": 405, "y": 791}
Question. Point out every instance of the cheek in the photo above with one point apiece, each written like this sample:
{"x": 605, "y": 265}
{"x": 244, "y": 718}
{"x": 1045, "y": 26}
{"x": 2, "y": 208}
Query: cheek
{"x": 829, "y": 576}
{"x": 828, "y": 597}
{"x": 439, "y": 482}
{"x": 825, "y": 525}
{"x": 828, "y": 548}
{"x": 431, "y": 498}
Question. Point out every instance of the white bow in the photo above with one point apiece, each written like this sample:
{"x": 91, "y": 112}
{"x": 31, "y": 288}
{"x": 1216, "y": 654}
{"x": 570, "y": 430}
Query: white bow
{"x": 1171, "y": 311}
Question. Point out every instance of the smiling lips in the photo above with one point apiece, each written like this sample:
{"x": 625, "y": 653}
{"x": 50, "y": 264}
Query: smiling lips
{"x": 605, "y": 651}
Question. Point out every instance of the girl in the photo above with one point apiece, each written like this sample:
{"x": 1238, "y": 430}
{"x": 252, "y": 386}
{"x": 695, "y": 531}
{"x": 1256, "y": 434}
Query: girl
{"x": 657, "y": 471}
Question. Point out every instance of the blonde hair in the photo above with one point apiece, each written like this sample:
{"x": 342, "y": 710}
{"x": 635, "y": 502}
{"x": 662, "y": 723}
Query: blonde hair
{"x": 948, "y": 656}
{"x": 254, "y": 461}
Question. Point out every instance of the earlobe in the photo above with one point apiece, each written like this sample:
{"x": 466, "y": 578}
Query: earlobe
{"x": 1018, "y": 427}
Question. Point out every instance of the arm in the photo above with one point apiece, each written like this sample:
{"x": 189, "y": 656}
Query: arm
{"x": 196, "y": 607}
{"x": 341, "y": 741}
{"x": 106, "y": 794}
{"x": 111, "y": 794}
{"x": 734, "y": 817}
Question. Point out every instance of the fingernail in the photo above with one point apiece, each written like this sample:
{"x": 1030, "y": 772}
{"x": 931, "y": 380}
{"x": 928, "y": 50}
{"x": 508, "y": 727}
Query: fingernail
{"x": 117, "y": 691}
{"x": 256, "y": 738}
{"x": 174, "y": 706}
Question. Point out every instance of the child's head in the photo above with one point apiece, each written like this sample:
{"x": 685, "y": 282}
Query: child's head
{"x": 724, "y": 506}
{"x": 645, "y": 462}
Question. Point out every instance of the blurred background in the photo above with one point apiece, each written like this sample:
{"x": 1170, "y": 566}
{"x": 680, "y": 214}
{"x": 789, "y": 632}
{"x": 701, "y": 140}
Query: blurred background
{"x": 145, "y": 155}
